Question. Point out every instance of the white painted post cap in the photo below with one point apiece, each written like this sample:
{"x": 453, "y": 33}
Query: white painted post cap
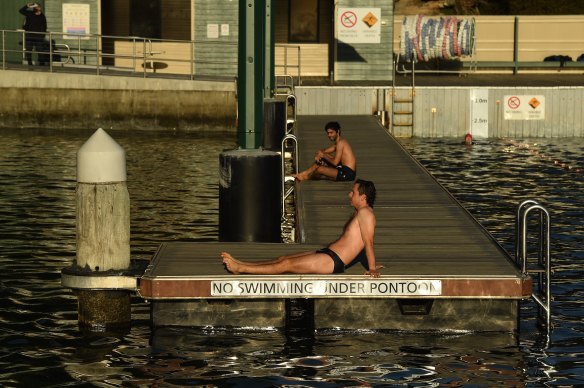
{"x": 101, "y": 159}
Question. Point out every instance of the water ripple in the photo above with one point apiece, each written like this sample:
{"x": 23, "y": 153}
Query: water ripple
{"x": 172, "y": 181}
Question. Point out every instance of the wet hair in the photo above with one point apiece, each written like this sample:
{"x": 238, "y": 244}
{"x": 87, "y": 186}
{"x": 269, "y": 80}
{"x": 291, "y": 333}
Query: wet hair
{"x": 333, "y": 125}
{"x": 367, "y": 188}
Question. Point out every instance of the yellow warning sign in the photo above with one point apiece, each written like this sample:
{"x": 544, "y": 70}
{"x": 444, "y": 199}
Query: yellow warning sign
{"x": 370, "y": 19}
{"x": 534, "y": 103}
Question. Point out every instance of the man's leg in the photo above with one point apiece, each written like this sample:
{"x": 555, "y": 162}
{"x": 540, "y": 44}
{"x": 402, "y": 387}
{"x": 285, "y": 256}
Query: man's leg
{"x": 329, "y": 172}
{"x": 28, "y": 46}
{"x": 42, "y": 49}
{"x": 304, "y": 262}
{"x": 271, "y": 261}
{"x": 306, "y": 174}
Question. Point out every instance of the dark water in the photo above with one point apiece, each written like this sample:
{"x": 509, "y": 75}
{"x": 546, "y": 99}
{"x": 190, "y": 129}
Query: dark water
{"x": 172, "y": 180}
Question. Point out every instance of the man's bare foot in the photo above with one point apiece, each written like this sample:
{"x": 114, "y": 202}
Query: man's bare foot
{"x": 231, "y": 264}
{"x": 301, "y": 176}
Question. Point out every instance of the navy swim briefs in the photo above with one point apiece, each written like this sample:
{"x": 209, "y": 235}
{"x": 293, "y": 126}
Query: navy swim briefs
{"x": 345, "y": 173}
{"x": 339, "y": 265}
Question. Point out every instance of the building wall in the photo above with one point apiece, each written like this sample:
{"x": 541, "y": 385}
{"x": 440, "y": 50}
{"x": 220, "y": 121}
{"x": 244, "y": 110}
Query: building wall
{"x": 10, "y": 19}
{"x": 54, "y": 13}
{"x": 366, "y": 61}
{"x": 216, "y": 55}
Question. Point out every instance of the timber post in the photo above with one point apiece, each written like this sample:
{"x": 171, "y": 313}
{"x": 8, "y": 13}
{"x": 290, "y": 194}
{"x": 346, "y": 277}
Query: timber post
{"x": 99, "y": 275}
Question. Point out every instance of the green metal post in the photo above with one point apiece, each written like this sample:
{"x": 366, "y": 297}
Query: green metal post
{"x": 251, "y": 73}
{"x": 269, "y": 76}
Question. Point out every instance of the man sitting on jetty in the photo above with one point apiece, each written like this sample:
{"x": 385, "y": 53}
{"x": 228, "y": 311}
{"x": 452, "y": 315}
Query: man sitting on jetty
{"x": 357, "y": 237}
{"x": 336, "y": 162}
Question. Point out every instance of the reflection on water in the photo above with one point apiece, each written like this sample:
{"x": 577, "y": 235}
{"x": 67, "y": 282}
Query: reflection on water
{"x": 172, "y": 180}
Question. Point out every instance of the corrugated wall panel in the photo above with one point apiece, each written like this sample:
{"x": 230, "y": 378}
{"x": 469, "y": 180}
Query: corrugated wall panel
{"x": 216, "y": 56}
{"x": 577, "y": 96}
{"x": 367, "y": 61}
{"x": 54, "y": 13}
{"x": 564, "y": 108}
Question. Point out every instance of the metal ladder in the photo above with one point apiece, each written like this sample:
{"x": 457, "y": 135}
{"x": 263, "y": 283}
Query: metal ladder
{"x": 288, "y": 137}
{"x": 402, "y": 106}
{"x": 542, "y": 295}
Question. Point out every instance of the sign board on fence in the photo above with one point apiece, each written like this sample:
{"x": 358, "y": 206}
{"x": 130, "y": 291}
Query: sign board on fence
{"x": 76, "y": 20}
{"x": 524, "y": 107}
{"x": 359, "y": 25}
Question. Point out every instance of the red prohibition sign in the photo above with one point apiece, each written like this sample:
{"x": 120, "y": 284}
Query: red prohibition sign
{"x": 348, "y": 19}
{"x": 514, "y": 102}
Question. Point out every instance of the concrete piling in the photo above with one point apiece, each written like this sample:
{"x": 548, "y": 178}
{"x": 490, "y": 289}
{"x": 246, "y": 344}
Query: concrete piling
{"x": 103, "y": 235}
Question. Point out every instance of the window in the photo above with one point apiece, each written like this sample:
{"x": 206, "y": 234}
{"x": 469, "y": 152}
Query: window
{"x": 303, "y": 23}
{"x": 145, "y": 18}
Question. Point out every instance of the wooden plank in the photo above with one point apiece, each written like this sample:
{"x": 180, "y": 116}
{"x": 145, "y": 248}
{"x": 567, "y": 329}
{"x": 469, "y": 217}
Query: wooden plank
{"x": 413, "y": 211}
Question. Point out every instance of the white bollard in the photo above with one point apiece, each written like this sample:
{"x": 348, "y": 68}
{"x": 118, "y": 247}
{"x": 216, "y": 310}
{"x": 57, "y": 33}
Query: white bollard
{"x": 103, "y": 205}
{"x": 103, "y": 235}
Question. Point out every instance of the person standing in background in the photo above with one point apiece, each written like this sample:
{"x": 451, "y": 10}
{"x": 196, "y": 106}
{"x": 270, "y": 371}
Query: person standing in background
{"x": 36, "y": 26}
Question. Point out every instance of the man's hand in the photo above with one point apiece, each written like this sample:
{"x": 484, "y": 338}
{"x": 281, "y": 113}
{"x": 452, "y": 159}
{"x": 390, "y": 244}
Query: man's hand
{"x": 375, "y": 272}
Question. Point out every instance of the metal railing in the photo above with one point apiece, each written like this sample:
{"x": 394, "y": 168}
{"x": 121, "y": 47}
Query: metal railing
{"x": 288, "y": 136}
{"x": 542, "y": 296}
{"x": 286, "y": 192}
{"x": 126, "y": 55}
{"x": 286, "y": 62}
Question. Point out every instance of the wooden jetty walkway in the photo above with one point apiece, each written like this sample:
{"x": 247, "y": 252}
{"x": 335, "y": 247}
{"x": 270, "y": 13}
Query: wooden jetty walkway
{"x": 443, "y": 271}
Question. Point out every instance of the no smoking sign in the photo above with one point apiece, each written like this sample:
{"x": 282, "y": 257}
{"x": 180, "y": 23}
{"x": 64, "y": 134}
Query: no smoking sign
{"x": 514, "y": 102}
{"x": 349, "y": 19}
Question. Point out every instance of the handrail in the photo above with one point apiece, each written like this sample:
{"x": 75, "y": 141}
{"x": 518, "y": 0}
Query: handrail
{"x": 518, "y": 218}
{"x": 286, "y": 194}
{"x": 544, "y": 259}
{"x": 290, "y": 100}
{"x": 284, "y": 88}
{"x": 92, "y": 51}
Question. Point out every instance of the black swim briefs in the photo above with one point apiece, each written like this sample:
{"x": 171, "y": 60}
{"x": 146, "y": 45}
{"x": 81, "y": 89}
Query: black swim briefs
{"x": 339, "y": 265}
{"x": 345, "y": 173}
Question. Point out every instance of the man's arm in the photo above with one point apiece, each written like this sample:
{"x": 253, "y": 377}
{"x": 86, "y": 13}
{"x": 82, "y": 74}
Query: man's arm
{"x": 325, "y": 154}
{"x": 24, "y": 10}
{"x": 336, "y": 159}
{"x": 367, "y": 221}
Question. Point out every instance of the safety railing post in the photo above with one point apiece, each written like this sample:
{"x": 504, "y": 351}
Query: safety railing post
{"x": 518, "y": 225}
{"x": 285, "y": 193}
{"x": 3, "y": 51}
{"x": 192, "y": 61}
{"x": 542, "y": 296}
{"x": 97, "y": 53}
{"x": 290, "y": 101}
